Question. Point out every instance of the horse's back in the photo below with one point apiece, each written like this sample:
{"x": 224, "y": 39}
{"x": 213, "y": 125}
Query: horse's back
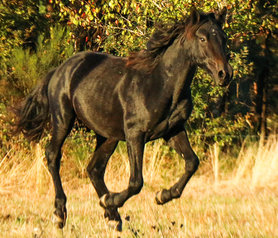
{"x": 82, "y": 65}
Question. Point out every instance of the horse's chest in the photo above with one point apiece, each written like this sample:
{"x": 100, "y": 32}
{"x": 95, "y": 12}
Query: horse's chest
{"x": 178, "y": 114}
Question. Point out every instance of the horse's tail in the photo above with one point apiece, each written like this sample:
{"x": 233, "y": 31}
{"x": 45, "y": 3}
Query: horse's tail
{"x": 34, "y": 113}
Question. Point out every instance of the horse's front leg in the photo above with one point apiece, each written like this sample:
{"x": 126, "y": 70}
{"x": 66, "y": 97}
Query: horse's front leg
{"x": 135, "y": 146}
{"x": 182, "y": 146}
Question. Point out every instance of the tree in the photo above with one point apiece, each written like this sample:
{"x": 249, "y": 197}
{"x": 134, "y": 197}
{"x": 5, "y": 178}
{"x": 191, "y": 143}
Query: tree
{"x": 120, "y": 27}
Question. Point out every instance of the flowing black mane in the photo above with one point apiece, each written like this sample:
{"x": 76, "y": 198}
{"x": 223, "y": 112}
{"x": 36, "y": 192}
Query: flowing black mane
{"x": 163, "y": 36}
{"x": 160, "y": 40}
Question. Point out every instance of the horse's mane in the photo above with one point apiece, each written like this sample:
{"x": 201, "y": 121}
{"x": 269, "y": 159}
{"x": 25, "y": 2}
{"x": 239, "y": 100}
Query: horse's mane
{"x": 163, "y": 36}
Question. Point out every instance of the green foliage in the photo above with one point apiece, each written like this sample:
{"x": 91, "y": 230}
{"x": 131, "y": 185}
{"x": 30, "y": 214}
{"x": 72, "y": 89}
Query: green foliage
{"x": 81, "y": 144}
{"x": 27, "y": 66}
{"x": 120, "y": 27}
{"x": 38, "y": 35}
{"x": 21, "y": 22}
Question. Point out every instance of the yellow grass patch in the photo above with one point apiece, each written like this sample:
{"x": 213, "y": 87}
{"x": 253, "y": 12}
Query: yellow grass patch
{"x": 242, "y": 202}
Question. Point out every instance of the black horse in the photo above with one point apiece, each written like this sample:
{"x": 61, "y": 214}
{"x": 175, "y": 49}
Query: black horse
{"x": 137, "y": 99}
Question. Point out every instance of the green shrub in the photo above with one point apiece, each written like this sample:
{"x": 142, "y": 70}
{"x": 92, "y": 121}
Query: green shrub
{"x": 27, "y": 66}
{"x": 30, "y": 46}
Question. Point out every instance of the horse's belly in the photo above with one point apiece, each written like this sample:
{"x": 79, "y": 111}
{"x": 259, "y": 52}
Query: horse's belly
{"x": 102, "y": 114}
{"x": 105, "y": 124}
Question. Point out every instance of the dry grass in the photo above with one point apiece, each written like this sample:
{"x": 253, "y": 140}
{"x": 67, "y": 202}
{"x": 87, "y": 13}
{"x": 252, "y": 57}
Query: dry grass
{"x": 216, "y": 203}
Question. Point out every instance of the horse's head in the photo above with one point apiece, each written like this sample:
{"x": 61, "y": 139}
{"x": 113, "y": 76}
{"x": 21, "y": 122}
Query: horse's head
{"x": 208, "y": 44}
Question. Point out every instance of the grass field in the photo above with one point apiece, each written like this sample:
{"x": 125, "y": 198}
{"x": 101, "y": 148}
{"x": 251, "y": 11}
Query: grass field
{"x": 228, "y": 196}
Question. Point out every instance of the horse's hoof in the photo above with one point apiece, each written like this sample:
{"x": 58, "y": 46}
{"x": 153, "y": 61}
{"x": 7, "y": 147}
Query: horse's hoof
{"x": 113, "y": 218}
{"x": 58, "y": 221}
{"x": 115, "y": 225}
{"x": 102, "y": 200}
{"x": 158, "y": 198}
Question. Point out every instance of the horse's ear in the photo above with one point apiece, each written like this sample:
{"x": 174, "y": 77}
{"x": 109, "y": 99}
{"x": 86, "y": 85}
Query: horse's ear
{"x": 194, "y": 16}
{"x": 221, "y": 16}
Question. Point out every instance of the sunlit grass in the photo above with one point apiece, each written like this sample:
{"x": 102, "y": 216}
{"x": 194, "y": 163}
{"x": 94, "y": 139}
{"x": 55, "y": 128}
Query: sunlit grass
{"x": 240, "y": 201}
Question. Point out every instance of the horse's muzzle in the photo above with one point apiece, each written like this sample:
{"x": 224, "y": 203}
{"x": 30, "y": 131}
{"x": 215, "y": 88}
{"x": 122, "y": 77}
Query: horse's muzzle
{"x": 225, "y": 75}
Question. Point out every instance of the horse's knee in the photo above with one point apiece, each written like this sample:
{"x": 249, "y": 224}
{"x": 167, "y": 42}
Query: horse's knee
{"x": 49, "y": 158}
{"x": 94, "y": 173}
{"x": 136, "y": 186}
{"x": 53, "y": 159}
{"x": 192, "y": 164}
{"x": 90, "y": 170}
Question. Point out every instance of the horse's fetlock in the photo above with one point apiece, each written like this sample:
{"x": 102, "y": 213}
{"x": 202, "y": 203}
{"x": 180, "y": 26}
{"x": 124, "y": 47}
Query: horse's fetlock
{"x": 60, "y": 203}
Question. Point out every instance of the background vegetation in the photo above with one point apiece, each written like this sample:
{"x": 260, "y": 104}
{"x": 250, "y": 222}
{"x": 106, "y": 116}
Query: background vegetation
{"x": 238, "y": 174}
{"x": 38, "y": 36}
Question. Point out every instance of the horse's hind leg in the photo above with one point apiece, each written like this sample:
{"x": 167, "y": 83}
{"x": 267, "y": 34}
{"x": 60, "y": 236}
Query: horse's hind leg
{"x": 181, "y": 144}
{"x": 96, "y": 168}
{"x": 61, "y": 128}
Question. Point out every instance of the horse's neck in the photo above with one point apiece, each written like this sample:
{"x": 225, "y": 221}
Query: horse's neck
{"x": 177, "y": 71}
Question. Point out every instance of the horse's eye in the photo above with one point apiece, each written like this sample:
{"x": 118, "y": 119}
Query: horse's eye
{"x": 202, "y": 39}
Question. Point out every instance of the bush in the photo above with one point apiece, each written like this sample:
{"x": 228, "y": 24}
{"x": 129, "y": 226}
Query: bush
{"x": 30, "y": 46}
{"x": 28, "y": 66}
{"x": 21, "y": 23}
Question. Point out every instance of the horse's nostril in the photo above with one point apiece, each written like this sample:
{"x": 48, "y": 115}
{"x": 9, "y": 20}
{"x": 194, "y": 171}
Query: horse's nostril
{"x": 221, "y": 74}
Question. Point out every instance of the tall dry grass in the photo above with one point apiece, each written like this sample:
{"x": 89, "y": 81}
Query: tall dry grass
{"x": 224, "y": 199}
{"x": 258, "y": 164}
